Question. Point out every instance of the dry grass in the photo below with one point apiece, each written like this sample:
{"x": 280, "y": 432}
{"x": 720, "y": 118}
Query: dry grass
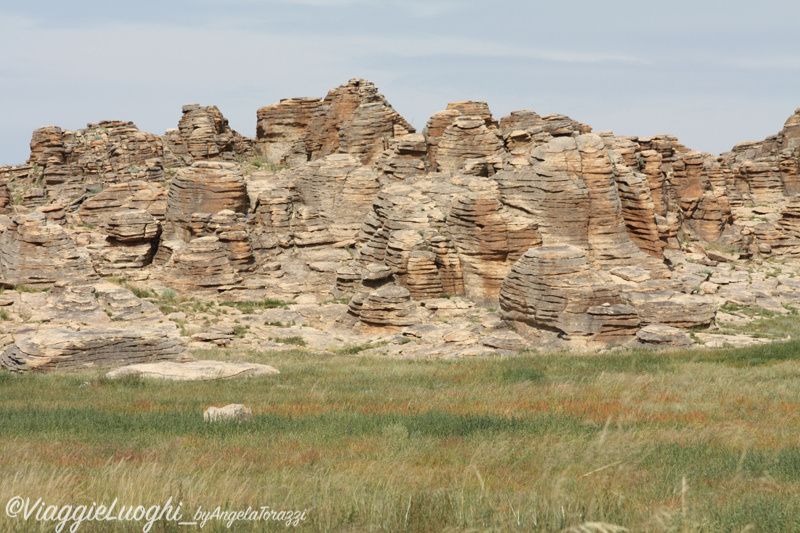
{"x": 683, "y": 441}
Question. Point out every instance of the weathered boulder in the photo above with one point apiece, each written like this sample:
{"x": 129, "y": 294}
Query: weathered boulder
{"x": 205, "y": 187}
{"x": 201, "y": 265}
{"x": 36, "y": 254}
{"x": 670, "y": 308}
{"x": 50, "y": 348}
{"x": 194, "y": 370}
{"x": 660, "y": 335}
{"x": 555, "y": 288}
{"x": 233, "y": 411}
{"x": 388, "y": 306}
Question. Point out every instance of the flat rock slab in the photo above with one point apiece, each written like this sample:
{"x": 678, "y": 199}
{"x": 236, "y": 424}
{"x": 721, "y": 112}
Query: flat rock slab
{"x": 194, "y": 370}
{"x": 661, "y": 335}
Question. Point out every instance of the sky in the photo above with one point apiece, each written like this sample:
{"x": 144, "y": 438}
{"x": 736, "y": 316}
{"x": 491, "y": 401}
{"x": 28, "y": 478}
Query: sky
{"x": 713, "y": 73}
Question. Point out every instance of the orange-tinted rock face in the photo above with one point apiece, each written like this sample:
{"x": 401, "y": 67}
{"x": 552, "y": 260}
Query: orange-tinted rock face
{"x": 352, "y": 119}
{"x": 203, "y": 133}
{"x": 281, "y": 128}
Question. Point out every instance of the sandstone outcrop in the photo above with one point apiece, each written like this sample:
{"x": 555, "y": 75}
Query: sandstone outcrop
{"x": 58, "y": 348}
{"x": 281, "y": 128}
{"x": 554, "y": 287}
{"x": 201, "y": 265}
{"x": 353, "y": 119}
{"x": 106, "y": 152}
{"x": 203, "y": 133}
{"x": 36, "y": 254}
{"x": 151, "y": 197}
{"x": 582, "y": 238}
{"x": 5, "y": 198}
{"x": 571, "y": 194}
{"x": 205, "y": 187}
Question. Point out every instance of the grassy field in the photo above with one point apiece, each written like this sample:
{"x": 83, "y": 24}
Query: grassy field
{"x": 697, "y": 440}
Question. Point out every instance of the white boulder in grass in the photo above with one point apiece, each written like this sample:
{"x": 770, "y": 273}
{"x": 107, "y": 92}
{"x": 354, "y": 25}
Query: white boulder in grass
{"x": 233, "y": 411}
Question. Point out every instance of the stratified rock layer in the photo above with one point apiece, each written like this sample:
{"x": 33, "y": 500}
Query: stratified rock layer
{"x": 205, "y": 187}
{"x": 354, "y": 119}
{"x": 57, "y": 348}
{"x": 553, "y": 288}
{"x": 201, "y": 265}
{"x": 36, "y": 254}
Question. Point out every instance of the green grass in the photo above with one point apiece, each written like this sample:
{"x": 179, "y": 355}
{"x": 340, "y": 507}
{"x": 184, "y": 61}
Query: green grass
{"x": 252, "y": 307}
{"x": 23, "y": 288}
{"x": 295, "y": 340}
{"x": 693, "y": 440}
{"x": 765, "y": 323}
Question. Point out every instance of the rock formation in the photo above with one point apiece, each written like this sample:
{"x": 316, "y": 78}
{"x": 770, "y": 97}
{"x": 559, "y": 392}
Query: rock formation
{"x": 151, "y": 197}
{"x": 555, "y": 288}
{"x": 352, "y": 119}
{"x": 205, "y": 187}
{"x": 57, "y": 348}
{"x": 201, "y": 265}
{"x": 5, "y": 198}
{"x": 579, "y": 237}
{"x": 36, "y": 254}
{"x": 203, "y": 133}
{"x": 282, "y": 127}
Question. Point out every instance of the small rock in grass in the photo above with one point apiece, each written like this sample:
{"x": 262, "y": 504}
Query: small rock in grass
{"x": 233, "y": 411}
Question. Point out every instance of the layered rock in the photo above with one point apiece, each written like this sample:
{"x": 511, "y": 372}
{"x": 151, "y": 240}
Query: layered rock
{"x": 106, "y": 152}
{"x": 151, "y": 197}
{"x": 336, "y": 193}
{"x": 49, "y": 348}
{"x": 132, "y": 225}
{"x": 354, "y": 119}
{"x": 571, "y": 194}
{"x": 203, "y": 133}
{"x": 380, "y": 302}
{"x": 638, "y": 210}
{"x": 406, "y": 157}
{"x": 281, "y": 127}
{"x": 554, "y": 288}
{"x": 232, "y": 231}
{"x": 131, "y": 243}
{"x": 5, "y": 198}
{"x": 671, "y": 308}
{"x": 468, "y": 144}
{"x": 36, "y": 254}
{"x": 202, "y": 265}
{"x": 205, "y": 187}
{"x": 489, "y": 239}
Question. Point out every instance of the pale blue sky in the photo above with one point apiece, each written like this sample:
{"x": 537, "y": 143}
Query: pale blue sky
{"x": 713, "y": 73}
